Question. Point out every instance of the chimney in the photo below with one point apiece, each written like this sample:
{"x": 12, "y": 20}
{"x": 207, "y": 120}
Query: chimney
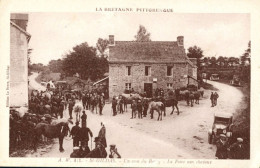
{"x": 111, "y": 40}
{"x": 20, "y": 19}
{"x": 180, "y": 40}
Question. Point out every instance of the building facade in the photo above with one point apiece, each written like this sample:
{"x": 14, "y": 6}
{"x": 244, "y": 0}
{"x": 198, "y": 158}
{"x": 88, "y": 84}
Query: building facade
{"x": 146, "y": 66}
{"x": 19, "y": 40}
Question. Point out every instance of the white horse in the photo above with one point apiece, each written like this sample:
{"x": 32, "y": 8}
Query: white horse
{"x": 78, "y": 107}
{"x": 157, "y": 106}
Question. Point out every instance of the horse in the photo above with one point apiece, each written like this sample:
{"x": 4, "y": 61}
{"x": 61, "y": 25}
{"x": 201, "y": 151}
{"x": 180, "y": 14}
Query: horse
{"x": 78, "y": 107}
{"x": 197, "y": 95}
{"x": 171, "y": 102}
{"x": 59, "y": 130}
{"x": 157, "y": 106}
{"x": 128, "y": 99}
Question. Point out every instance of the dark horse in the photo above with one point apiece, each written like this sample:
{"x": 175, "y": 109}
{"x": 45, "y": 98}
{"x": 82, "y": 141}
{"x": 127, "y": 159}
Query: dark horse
{"x": 59, "y": 130}
{"x": 171, "y": 102}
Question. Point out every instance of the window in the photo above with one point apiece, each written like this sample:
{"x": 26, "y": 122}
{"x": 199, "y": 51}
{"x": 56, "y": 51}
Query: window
{"x": 193, "y": 71}
{"x": 169, "y": 85}
{"x": 128, "y": 86}
{"x": 169, "y": 70}
{"x": 147, "y": 71}
{"x": 128, "y": 70}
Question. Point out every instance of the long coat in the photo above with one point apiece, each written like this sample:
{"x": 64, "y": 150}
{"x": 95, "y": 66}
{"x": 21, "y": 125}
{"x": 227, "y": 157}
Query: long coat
{"x": 102, "y": 136}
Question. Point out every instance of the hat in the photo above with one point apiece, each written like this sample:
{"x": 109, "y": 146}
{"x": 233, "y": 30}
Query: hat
{"x": 76, "y": 148}
{"x": 239, "y": 139}
{"x": 222, "y": 135}
{"x": 96, "y": 139}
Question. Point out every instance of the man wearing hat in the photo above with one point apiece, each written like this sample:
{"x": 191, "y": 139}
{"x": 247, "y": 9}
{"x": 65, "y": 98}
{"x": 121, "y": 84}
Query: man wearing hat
{"x": 84, "y": 119}
{"x": 114, "y": 104}
{"x": 237, "y": 149}
{"x": 99, "y": 151}
{"x": 75, "y": 133}
{"x": 139, "y": 108}
{"x": 222, "y": 146}
{"x": 212, "y": 99}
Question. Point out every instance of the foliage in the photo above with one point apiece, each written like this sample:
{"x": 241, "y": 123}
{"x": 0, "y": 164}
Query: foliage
{"x": 102, "y": 45}
{"x": 55, "y": 65}
{"x": 142, "y": 34}
{"x": 84, "y": 61}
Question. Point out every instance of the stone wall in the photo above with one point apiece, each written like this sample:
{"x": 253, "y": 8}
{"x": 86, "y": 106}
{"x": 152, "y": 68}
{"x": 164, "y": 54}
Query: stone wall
{"x": 118, "y": 76}
{"x": 18, "y": 68}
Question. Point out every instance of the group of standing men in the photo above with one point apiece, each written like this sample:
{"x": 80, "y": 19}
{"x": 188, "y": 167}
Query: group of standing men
{"x": 214, "y": 98}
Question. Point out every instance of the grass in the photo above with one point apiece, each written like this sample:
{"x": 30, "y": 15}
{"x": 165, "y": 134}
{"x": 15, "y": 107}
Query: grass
{"x": 242, "y": 120}
{"x": 208, "y": 86}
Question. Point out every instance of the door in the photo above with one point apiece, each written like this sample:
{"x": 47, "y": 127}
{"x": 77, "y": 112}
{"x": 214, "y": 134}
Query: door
{"x": 148, "y": 88}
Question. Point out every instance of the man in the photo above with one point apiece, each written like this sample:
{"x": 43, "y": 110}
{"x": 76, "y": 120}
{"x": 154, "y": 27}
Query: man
{"x": 101, "y": 103}
{"x": 120, "y": 102}
{"x": 212, "y": 99}
{"x": 102, "y": 135}
{"x": 84, "y": 101}
{"x": 114, "y": 104}
{"x": 222, "y": 145}
{"x": 75, "y": 133}
{"x": 146, "y": 105}
{"x": 139, "y": 108}
{"x": 134, "y": 108}
{"x": 84, "y": 136}
{"x": 71, "y": 105}
{"x": 113, "y": 152}
{"x": 237, "y": 149}
{"x": 99, "y": 151}
{"x": 88, "y": 101}
{"x": 84, "y": 119}
{"x": 215, "y": 98}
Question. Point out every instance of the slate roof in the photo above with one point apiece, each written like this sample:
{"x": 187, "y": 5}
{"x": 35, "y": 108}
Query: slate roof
{"x": 148, "y": 52}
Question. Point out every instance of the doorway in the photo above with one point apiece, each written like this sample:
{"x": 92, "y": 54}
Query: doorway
{"x": 148, "y": 88}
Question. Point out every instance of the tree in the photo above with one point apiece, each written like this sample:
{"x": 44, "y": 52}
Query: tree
{"x": 55, "y": 66}
{"x": 246, "y": 64}
{"x": 142, "y": 34}
{"x": 84, "y": 61}
{"x": 102, "y": 45}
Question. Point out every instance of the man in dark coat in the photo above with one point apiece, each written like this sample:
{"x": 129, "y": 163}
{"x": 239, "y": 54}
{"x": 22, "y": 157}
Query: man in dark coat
{"x": 84, "y": 136}
{"x": 71, "y": 105}
{"x": 237, "y": 149}
{"x": 99, "y": 151}
{"x": 84, "y": 119}
{"x": 222, "y": 145}
{"x": 114, "y": 104}
{"x": 75, "y": 133}
{"x": 84, "y": 101}
{"x": 102, "y": 135}
{"x": 215, "y": 98}
{"x": 212, "y": 99}
{"x": 145, "y": 105}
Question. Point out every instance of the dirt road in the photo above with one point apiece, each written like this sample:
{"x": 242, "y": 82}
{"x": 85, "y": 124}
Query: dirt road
{"x": 183, "y": 136}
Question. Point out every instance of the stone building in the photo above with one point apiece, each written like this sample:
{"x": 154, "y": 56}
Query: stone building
{"x": 19, "y": 40}
{"x": 146, "y": 66}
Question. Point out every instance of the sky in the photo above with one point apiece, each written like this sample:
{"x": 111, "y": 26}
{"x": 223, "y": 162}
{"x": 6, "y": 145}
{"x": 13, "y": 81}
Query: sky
{"x": 55, "y": 34}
